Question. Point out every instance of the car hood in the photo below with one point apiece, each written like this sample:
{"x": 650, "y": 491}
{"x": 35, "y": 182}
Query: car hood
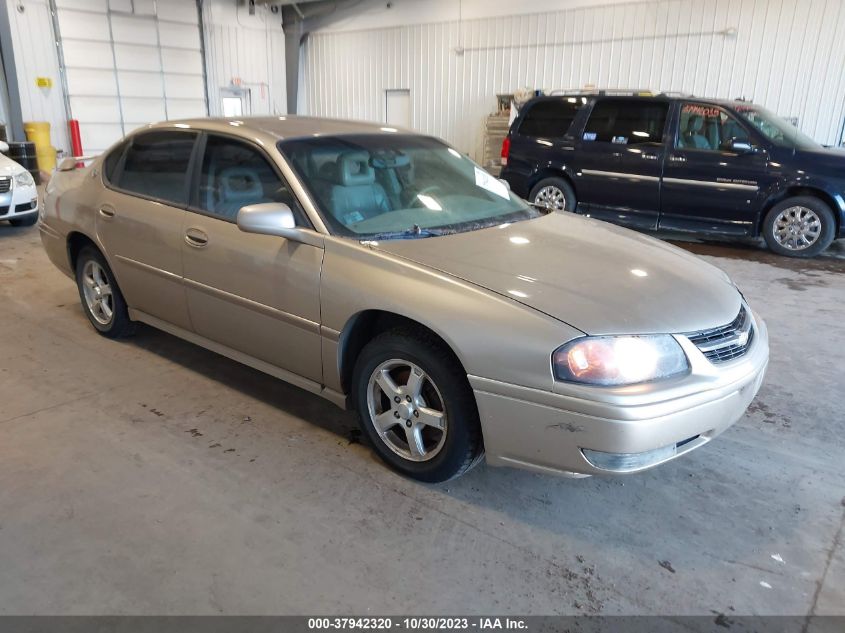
{"x": 827, "y": 157}
{"x": 594, "y": 276}
{"x": 8, "y": 167}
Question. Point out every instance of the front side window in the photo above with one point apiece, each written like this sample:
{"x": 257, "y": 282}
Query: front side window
{"x": 156, "y": 166}
{"x": 392, "y": 186}
{"x": 550, "y": 119}
{"x": 777, "y": 130}
{"x": 235, "y": 175}
{"x": 708, "y": 127}
{"x": 626, "y": 122}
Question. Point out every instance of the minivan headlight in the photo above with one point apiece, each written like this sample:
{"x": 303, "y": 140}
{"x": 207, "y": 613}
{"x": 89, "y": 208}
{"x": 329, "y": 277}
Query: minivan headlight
{"x": 619, "y": 360}
{"x": 23, "y": 179}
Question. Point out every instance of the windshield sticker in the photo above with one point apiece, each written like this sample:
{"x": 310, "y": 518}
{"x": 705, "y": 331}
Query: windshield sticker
{"x": 491, "y": 184}
{"x": 620, "y": 140}
{"x": 590, "y": 136}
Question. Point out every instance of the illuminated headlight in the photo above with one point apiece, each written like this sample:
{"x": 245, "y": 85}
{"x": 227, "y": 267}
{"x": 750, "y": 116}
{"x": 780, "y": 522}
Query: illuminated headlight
{"x": 619, "y": 360}
{"x": 24, "y": 179}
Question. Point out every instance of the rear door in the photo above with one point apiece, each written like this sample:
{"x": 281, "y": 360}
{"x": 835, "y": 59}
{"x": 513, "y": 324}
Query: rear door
{"x": 256, "y": 294}
{"x": 708, "y": 185}
{"x": 541, "y": 141}
{"x": 620, "y": 160}
{"x": 139, "y": 221}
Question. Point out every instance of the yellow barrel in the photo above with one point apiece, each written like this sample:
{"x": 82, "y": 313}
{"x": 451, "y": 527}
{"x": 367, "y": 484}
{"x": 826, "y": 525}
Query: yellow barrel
{"x": 38, "y": 132}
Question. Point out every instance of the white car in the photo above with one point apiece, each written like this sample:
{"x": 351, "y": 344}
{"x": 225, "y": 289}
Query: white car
{"x": 18, "y": 195}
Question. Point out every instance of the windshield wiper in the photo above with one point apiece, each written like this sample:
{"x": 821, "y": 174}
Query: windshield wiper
{"x": 406, "y": 234}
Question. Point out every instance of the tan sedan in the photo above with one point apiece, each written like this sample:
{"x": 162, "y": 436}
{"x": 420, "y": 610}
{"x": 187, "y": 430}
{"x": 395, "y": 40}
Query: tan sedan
{"x": 387, "y": 272}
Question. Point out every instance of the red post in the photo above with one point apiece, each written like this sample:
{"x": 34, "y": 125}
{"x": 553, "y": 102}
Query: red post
{"x": 75, "y": 139}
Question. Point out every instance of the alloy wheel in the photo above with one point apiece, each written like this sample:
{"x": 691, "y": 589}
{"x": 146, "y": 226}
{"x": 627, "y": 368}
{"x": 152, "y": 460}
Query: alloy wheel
{"x": 407, "y": 410}
{"x": 551, "y": 197}
{"x": 797, "y": 228}
{"x": 98, "y": 292}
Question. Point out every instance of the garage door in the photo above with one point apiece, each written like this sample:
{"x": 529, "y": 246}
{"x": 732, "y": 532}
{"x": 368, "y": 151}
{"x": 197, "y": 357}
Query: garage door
{"x": 128, "y": 63}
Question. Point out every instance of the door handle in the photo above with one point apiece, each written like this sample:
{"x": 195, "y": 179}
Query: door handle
{"x": 106, "y": 211}
{"x": 674, "y": 158}
{"x": 196, "y": 238}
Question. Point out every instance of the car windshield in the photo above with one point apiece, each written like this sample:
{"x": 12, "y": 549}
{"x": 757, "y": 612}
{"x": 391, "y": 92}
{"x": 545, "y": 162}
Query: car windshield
{"x": 777, "y": 130}
{"x": 397, "y": 186}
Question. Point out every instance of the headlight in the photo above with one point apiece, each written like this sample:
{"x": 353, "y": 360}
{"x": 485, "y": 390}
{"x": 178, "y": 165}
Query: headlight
{"x": 619, "y": 360}
{"x": 24, "y": 179}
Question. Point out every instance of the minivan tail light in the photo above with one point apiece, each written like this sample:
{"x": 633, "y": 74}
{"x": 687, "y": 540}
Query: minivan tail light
{"x": 506, "y": 149}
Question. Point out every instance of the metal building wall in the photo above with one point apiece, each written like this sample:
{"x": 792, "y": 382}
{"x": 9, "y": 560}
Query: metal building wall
{"x": 779, "y": 53}
{"x": 249, "y": 49}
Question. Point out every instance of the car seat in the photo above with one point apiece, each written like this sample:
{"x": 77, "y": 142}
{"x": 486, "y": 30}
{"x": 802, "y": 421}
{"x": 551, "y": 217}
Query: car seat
{"x": 692, "y": 136}
{"x": 354, "y": 194}
{"x": 236, "y": 188}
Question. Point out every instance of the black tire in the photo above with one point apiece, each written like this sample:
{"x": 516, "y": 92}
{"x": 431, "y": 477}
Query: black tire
{"x": 119, "y": 325}
{"x": 826, "y": 232}
{"x": 462, "y": 446}
{"x": 27, "y": 220}
{"x": 570, "y": 202}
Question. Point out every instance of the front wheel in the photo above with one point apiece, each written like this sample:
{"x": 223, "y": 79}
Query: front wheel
{"x": 802, "y": 226}
{"x": 101, "y": 298}
{"x": 555, "y": 194}
{"x": 416, "y": 406}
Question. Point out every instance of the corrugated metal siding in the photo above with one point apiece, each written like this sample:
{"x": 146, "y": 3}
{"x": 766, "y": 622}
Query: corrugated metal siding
{"x": 785, "y": 55}
{"x": 35, "y": 56}
{"x": 248, "y": 48}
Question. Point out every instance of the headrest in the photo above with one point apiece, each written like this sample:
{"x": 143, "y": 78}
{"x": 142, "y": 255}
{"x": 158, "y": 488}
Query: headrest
{"x": 239, "y": 184}
{"x": 695, "y": 124}
{"x": 355, "y": 169}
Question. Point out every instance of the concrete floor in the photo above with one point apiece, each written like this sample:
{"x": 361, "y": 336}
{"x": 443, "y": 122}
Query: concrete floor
{"x": 153, "y": 477}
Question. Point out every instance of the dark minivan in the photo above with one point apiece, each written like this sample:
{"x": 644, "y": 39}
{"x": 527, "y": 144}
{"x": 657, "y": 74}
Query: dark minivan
{"x": 679, "y": 164}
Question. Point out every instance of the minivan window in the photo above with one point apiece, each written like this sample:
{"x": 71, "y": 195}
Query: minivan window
{"x": 235, "y": 175}
{"x": 156, "y": 166}
{"x": 708, "y": 127}
{"x": 550, "y": 119}
{"x": 626, "y": 122}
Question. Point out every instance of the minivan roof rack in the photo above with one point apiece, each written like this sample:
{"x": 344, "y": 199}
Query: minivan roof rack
{"x": 615, "y": 92}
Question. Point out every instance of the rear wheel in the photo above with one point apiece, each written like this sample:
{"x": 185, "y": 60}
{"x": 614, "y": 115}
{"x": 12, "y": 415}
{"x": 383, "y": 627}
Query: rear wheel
{"x": 416, "y": 406}
{"x": 802, "y": 226}
{"x": 101, "y": 298}
{"x": 555, "y": 194}
{"x": 27, "y": 220}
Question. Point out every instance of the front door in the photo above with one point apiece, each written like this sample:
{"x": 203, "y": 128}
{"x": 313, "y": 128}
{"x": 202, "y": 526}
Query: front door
{"x": 620, "y": 159}
{"x": 139, "y": 219}
{"x": 256, "y": 294}
{"x": 708, "y": 184}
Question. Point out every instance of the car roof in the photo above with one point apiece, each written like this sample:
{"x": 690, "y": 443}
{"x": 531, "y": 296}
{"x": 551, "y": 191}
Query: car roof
{"x": 275, "y": 128}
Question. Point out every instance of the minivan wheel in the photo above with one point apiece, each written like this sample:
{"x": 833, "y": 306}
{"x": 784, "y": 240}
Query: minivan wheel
{"x": 416, "y": 406}
{"x": 802, "y": 226}
{"x": 555, "y": 194}
{"x": 101, "y": 298}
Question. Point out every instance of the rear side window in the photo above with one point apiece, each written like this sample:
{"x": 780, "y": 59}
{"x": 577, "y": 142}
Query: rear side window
{"x": 549, "y": 119}
{"x": 156, "y": 166}
{"x": 112, "y": 162}
{"x": 626, "y": 122}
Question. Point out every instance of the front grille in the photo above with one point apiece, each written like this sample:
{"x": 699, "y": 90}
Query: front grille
{"x": 5, "y": 184}
{"x": 725, "y": 343}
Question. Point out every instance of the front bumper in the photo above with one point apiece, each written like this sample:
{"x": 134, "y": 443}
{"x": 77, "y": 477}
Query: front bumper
{"x": 592, "y": 431}
{"x": 18, "y": 201}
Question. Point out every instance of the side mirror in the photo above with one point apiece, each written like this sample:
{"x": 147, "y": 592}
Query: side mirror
{"x": 275, "y": 218}
{"x": 4, "y": 147}
{"x": 741, "y": 147}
